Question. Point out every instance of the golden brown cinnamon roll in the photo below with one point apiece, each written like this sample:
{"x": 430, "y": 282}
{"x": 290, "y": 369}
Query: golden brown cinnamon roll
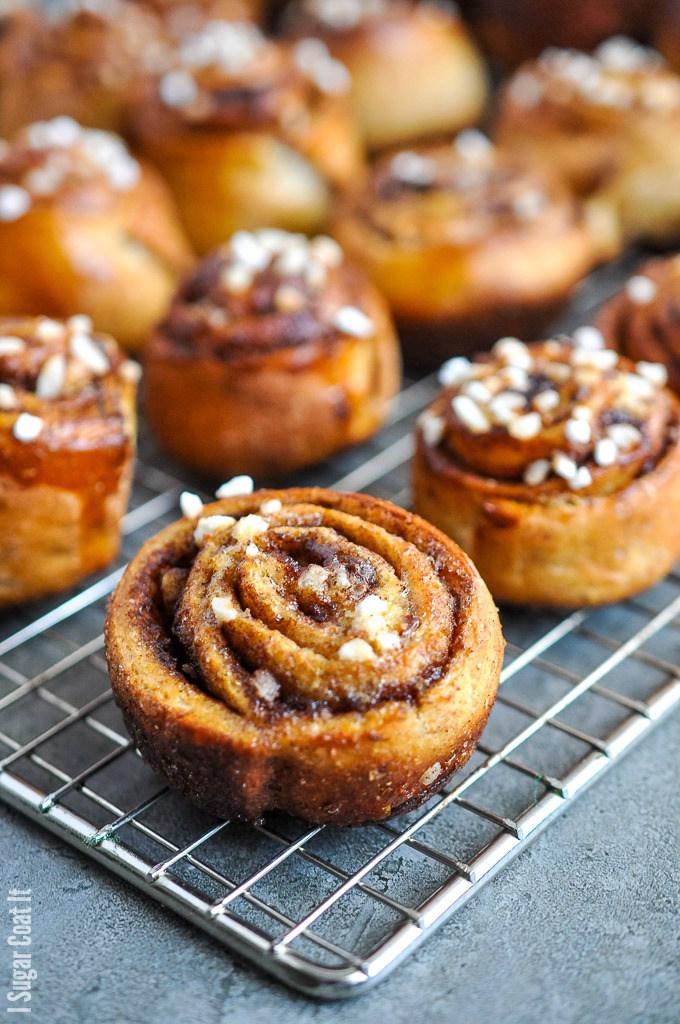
{"x": 643, "y": 320}
{"x": 466, "y": 242}
{"x": 67, "y": 438}
{"x": 610, "y": 121}
{"x": 556, "y": 466}
{"x": 325, "y": 654}
{"x": 415, "y": 71}
{"x": 274, "y": 354}
{"x": 84, "y": 227}
{"x": 250, "y": 133}
{"x": 84, "y": 58}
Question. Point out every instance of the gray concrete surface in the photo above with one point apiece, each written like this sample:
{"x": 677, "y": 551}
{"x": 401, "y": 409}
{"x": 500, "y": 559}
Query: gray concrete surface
{"x": 582, "y": 927}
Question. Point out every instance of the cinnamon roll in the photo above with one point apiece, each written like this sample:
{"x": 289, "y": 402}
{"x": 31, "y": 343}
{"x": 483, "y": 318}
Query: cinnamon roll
{"x": 84, "y": 227}
{"x": 249, "y": 132}
{"x": 67, "y": 438}
{"x": 610, "y": 121}
{"x": 325, "y": 654}
{"x": 274, "y": 354}
{"x": 415, "y": 71}
{"x": 84, "y": 58}
{"x": 556, "y": 466}
{"x": 467, "y": 241}
{"x": 643, "y": 320}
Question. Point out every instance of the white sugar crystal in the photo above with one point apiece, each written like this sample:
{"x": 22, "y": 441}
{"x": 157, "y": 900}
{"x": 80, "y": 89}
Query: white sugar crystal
{"x": 453, "y": 371}
{"x": 266, "y": 685}
{"x": 505, "y": 406}
{"x": 249, "y": 251}
{"x": 62, "y": 131}
{"x": 656, "y": 373}
{"x": 248, "y": 527}
{"x": 8, "y": 397}
{"x": 514, "y": 352}
{"x": 237, "y": 485}
{"x": 49, "y": 330}
{"x": 588, "y": 337}
{"x": 314, "y": 577}
{"x": 123, "y": 172}
{"x": 412, "y": 168}
{"x": 371, "y": 605}
{"x": 131, "y": 371}
{"x": 14, "y": 202}
{"x": 524, "y": 428}
{"x": 582, "y": 478}
{"x": 582, "y": 412}
{"x": 536, "y": 472}
{"x": 190, "y": 504}
{"x": 387, "y": 640}
{"x": 10, "y": 345}
{"x": 52, "y": 376}
{"x": 546, "y": 401}
{"x": 599, "y": 359}
{"x": 470, "y": 415}
{"x": 356, "y": 650}
{"x": 577, "y": 431}
{"x": 624, "y": 435}
{"x": 637, "y": 386}
{"x": 432, "y": 429}
{"x": 27, "y": 427}
{"x": 83, "y": 348}
{"x": 292, "y": 261}
{"x": 223, "y": 609}
{"x": 315, "y": 274}
{"x": 326, "y": 250}
{"x": 178, "y": 88}
{"x": 237, "y": 278}
{"x": 275, "y": 239}
{"x": 606, "y": 452}
{"x": 478, "y": 391}
{"x": 526, "y": 89}
{"x": 473, "y": 145}
{"x": 641, "y": 290}
{"x": 352, "y": 321}
{"x": 211, "y": 524}
{"x": 80, "y": 323}
{"x": 431, "y": 774}
{"x": 563, "y": 466}
{"x": 271, "y": 506}
{"x": 252, "y": 550}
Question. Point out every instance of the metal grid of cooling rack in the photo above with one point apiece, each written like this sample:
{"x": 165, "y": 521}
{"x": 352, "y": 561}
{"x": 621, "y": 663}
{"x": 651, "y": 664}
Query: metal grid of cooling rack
{"x": 328, "y": 910}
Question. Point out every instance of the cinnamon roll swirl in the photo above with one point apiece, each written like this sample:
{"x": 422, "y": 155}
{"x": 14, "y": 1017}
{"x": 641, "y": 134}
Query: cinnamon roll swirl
{"x": 249, "y": 132}
{"x": 556, "y": 466}
{"x": 274, "y": 354}
{"x": 610, "y": 121}
{"x": 415, "y": 71}
{"x": 643, "y": 320}
{"x": 84, "y": 227}
{"x": 467, "y": 241}
{"x": 328, "y": 655}
{"x": 67, "y": 438}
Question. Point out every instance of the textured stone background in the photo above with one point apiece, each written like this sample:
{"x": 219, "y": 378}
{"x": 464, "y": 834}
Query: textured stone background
{"x": 582, "y": 927}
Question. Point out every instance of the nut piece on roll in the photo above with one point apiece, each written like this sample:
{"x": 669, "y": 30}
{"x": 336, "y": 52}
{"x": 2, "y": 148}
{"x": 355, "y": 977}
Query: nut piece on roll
{"x": 67, "y": 439}
{"x": 467, "y": 241}
{"x": 642, "y": 321}
{"x": 415, "y": 71}
{"x": 84, "y": 227}
{"x": 556, "y": 466}
{"x": 84, "y": 58}
{"x": 325, "y": 654}
{"x": 249, "y": 132}
{"x": 611, "y": 122}
{"x": 274, "y": 354}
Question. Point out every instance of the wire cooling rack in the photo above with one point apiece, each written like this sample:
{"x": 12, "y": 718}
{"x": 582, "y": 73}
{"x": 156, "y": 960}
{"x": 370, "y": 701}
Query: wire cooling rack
{"x": 329, "y": 910}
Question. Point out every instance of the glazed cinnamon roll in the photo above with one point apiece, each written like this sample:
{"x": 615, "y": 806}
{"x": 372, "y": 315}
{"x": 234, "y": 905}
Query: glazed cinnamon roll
{"x": 610, "y": 121}
{"x": 467, "y": 241}
{"x": 274, "y": 354}
{"x": 84, "y": 227}
{"x": 67, "y": 438}
{"x": 250, "y": 133}
{"x": 84, "y": 58}
{"x": 415, "y": 71}
{"x": 556, "y": 466}
{"x": 328, "y": 655}
{"x": 643, "y": 320}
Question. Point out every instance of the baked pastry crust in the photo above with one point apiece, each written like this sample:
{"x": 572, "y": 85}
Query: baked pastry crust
{"x": 97, "y": 229}
{"x": 329, "y": 655}
{"x": 610, "y": 122}
{"x": 557, "y": 468}
{"x": 67, "y": 438}
{"x": 274, "y": 354}
{"x": 249, "y": 132}
{"x": 642, "y": 321}
{"x": 84, "y": 58}
{"x": 468, "y": 242}
{"x": 415, "y": 71}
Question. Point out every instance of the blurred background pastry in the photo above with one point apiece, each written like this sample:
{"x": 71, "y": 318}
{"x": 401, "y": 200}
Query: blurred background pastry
{"x": 84, "y": 227}
{"x": 249, "y": 132}
{"x": 275, "y": 353}
{"x": 415, "y": 71}
{"x": 67, "y": 439}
